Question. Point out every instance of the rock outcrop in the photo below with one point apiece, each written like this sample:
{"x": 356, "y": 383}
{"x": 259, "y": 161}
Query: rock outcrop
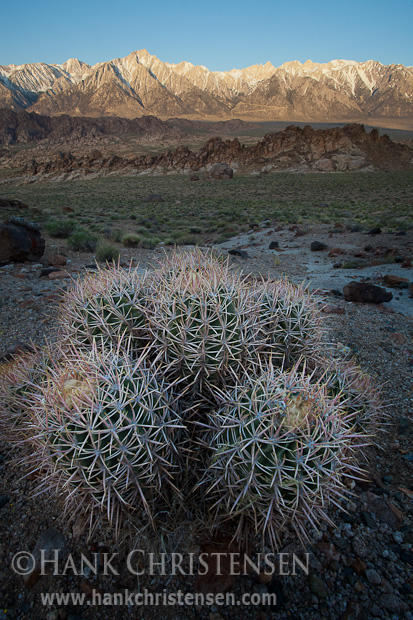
{"x": 300, "y": 149}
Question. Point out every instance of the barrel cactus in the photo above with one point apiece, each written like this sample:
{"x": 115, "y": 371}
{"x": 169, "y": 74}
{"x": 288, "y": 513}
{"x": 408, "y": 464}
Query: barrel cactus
{"x": 102, "y": 426}
{"x": 280, "y": 450}
{"x": 356, "y": 390}
{"x": 201, "y": 322}
{"x": 290, "y": 322}
{"x": 191, "y": 385}
{"x": 104, "y": 306}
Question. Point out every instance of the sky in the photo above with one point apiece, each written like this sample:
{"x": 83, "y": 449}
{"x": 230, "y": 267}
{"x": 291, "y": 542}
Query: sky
{"x": 220, "y": 34}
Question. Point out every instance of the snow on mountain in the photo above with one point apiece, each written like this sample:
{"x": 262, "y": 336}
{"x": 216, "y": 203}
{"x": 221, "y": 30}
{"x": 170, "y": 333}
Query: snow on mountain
{"x": 140, "y": 84}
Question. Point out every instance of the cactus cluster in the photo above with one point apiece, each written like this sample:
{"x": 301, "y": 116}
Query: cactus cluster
{"x": 191, "y": 384}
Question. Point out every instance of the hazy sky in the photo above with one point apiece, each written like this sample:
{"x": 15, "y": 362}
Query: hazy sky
{"x": 221, "y": 34}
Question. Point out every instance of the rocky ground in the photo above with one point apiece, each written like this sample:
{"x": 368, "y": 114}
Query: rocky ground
{"x": 362, "y": 568}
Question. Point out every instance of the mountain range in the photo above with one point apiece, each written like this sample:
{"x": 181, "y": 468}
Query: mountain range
{"x": 140, "y": 84}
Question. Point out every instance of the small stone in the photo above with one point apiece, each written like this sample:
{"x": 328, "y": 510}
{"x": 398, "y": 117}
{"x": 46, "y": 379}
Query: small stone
{"x": 348, "y": 518}
{"x": 396, "y": 281}
{"x": 44, "y": 273}
{"x": 4, "y": 499}
{"x": 273, "y": 245}
{"x": 359, "y": 566}
{"x": 239, "y": 253}
{"x": 384, "y": 511}
{"x": 52, "y": 543}
{"x": 300, "y": 232}
{"x": 57, "y": 260}
{"x": 335, "y": 252}
{"x": 368, "y": 520}
{"x": 373, "y": 576}
{"x": 363, "y": 292}
{"x": 317, "y": 586}
{"x": 318, "y": 246}
{"x": 58, "y": 275}
{"x": 329, "y": 550}
{"x": 393, "y": 603}
{"x": 374, "y": 231}
{"x": 353, "y": 611}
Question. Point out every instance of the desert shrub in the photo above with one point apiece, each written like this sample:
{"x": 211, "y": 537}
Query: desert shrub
{"x": 83, "y": 241}
{"x": 130, "y": 240}
{"x": 60, "y": 229}
{"x": 107, "y": 253}
{"x": 149, "y": 243}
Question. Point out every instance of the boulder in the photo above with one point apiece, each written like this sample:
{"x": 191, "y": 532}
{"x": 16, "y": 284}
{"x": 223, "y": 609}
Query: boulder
{"x": 20, "y": 241}
{"x": 221, "y": 171}
{"x": 366, "y": 293}
{"x": 95, "y": 155}
{"x": 318, "y": 246}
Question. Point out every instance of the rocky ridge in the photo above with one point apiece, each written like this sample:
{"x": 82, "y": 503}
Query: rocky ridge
{"x": 339, "y": 149}
{"x": 141, "y": 84}
{"x": 26, "y": 127}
